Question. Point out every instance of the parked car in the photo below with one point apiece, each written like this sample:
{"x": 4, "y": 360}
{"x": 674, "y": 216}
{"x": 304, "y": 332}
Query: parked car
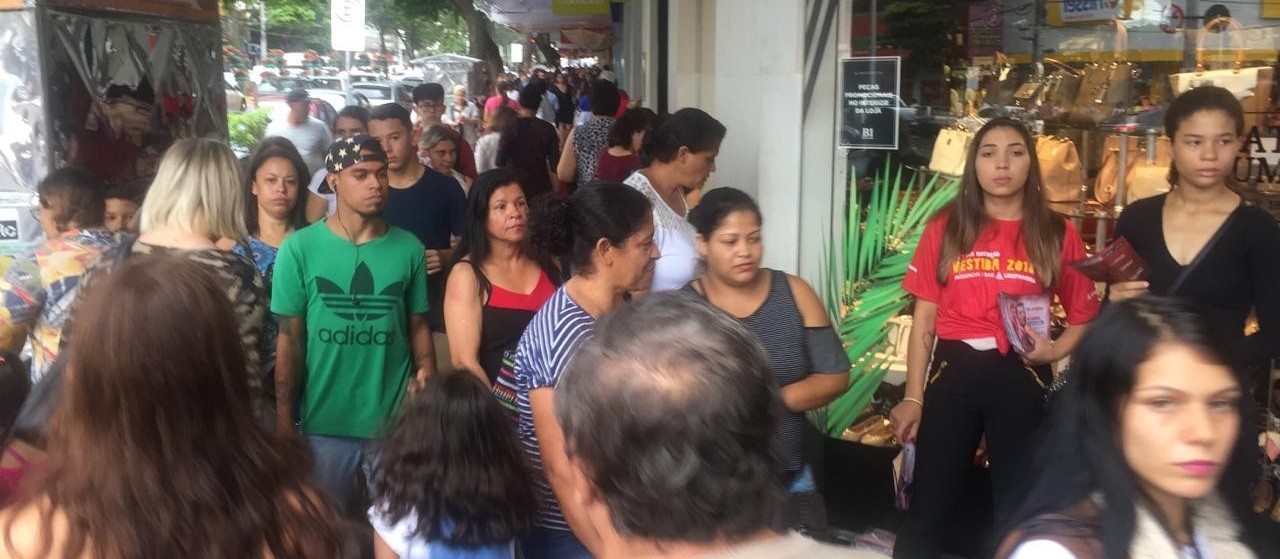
{"x": 374, "y": 94}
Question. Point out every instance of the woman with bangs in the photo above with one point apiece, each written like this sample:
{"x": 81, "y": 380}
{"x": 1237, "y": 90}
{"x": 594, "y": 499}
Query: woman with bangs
{"x": 275, "y": 207}
{"x": 1139, "y": 446}
{"x": 1201, "y": 241}
{"x": 999, "y": 236}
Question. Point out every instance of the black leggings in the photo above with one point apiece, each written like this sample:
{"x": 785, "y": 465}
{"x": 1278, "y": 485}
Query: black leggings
{"x": 969, "y": 393}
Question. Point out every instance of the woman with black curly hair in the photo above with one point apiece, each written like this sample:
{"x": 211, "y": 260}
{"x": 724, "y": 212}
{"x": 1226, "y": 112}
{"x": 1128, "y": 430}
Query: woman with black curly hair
{"x": 450, "y": 479}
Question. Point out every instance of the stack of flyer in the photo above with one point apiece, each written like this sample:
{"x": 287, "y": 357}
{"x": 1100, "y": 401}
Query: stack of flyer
{"x": 1018, "y": 312}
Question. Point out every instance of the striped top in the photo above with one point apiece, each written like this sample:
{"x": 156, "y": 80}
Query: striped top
{"x": 544, "y": 351}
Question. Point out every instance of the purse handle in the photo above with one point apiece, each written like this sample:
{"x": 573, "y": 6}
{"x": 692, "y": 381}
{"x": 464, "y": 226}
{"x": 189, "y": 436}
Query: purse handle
{"x": 1122, "y": 40}
{"x": 1061, "y": 66}
{"x": 1232, "y": 25}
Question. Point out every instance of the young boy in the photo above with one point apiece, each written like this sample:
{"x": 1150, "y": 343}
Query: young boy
{"x": 122, "y": 209}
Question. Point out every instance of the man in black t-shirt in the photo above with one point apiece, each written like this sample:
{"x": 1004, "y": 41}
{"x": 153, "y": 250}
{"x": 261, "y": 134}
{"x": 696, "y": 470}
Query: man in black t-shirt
{"x": 424, "y": 202}
{"x": 530, "y": 146}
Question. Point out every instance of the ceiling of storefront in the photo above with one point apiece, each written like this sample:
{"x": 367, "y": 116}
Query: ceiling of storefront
{"x": 537, "y": 16}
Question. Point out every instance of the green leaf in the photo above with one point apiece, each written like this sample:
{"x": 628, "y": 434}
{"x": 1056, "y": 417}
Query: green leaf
{"x": 863, "y": 276}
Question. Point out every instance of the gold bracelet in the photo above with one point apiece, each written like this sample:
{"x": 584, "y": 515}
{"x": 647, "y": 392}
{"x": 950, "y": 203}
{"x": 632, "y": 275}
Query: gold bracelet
{"x": 915, "y": 401}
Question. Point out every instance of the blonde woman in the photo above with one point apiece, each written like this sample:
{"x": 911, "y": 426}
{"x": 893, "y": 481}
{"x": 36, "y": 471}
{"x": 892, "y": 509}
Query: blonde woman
{"x": 195, "y": 200}
{"x": 442, "y": 154}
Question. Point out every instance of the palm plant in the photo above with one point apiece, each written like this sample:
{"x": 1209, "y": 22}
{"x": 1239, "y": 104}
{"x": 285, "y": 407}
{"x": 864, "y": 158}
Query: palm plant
{"x": 862, "y": 279}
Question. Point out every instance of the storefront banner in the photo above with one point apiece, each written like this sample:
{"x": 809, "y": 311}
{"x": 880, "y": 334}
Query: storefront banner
{"x": 346, "y": 27}
{"x": 579, "y": 7}
{"x": 1076, "y": 11}
{"x": 870, "y": 103}
{"x": 986, "y": 29}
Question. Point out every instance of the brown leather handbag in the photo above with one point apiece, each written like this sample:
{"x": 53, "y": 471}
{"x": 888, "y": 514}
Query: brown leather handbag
{"x": 1060, "y": 171}
{"x": 1104, "y": 190}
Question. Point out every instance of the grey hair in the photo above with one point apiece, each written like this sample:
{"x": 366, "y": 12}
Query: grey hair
{"x": 672, "y": 411}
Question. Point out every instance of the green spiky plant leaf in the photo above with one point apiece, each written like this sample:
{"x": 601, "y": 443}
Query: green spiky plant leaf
{"x": 862, "y": 279}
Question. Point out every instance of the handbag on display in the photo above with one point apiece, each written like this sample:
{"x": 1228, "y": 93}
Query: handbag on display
{"x": 1150, "y": 175}
{"x": 1104, "y": 190}
{"x": 950, "y": 151}
{"x": 1106, "y": 87}
{"x": 1252, "y": 86}
{"x": 1059, "y": 93}
{"x": 1061, "y": 174}
{"x": 1000, "y": 92}
{"x": 1031, "y": 93}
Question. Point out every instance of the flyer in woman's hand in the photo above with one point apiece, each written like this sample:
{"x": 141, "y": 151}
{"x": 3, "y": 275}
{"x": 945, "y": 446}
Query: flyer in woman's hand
{"x": 1116, "y": 263}
{"x": 1017, "y": 312}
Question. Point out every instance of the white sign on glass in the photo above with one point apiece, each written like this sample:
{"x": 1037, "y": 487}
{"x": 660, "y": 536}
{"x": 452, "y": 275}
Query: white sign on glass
{"x": 346, "y": 25}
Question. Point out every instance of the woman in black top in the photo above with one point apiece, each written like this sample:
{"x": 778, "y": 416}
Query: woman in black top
{"x": 494, "y": 287}
{"x": 786, "y": 315}
{"x": 1200, "y": 241}
{"x": 565, "y": 105}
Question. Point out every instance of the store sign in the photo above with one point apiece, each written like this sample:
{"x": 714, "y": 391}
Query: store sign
{"x": 579, "y": 7}
{"x": 346, "y": 26}
{"x": 1256, "y": 161}
{"x": 1076, "y": 11}
{"x": 869, "y": 102}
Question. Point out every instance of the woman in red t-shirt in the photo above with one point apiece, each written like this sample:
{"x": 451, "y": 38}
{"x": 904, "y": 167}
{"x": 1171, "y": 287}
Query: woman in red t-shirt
{"x": 999, "y": 236}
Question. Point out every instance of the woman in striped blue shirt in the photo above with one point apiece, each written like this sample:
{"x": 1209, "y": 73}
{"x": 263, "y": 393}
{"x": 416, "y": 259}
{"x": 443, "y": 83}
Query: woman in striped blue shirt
{"x": 607, "y": 231}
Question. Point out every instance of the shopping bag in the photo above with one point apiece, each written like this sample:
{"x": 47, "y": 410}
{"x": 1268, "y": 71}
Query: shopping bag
{"x": 1106, "y": 87}
{"x": 950, "y": 151}
{"x": 1252, "y": 86}
{"x": 1061, "y": 174}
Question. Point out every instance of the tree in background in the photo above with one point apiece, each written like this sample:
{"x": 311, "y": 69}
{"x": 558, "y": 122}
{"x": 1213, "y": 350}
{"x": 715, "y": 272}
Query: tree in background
{"x": 917, "y": 26}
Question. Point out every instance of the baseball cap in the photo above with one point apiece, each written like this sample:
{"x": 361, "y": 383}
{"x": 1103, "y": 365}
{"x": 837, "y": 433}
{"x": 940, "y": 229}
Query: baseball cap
{"x": 346, "y": 152}
{"x": 296, "y": 95}
{"x": 609, "y": 76}
{"x": 428, "y": 92}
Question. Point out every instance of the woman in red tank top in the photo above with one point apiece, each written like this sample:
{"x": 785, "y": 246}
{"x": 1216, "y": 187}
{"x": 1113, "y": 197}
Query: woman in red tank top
{"x": 494, "y": 287}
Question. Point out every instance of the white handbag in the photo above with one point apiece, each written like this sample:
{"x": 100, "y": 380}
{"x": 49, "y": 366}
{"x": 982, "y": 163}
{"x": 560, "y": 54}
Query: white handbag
{"x": 1252, "y": 86}
{"x": 950, "y": 151}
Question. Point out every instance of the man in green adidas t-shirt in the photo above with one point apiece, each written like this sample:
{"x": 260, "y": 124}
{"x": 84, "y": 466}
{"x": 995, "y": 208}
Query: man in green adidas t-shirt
{"x": 350, "y": 292}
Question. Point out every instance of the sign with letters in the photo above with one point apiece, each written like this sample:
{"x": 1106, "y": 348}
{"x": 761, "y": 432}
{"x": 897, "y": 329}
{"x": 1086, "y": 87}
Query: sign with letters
{"x": 1077, "y": 11}
{"x": 869, "y": 102}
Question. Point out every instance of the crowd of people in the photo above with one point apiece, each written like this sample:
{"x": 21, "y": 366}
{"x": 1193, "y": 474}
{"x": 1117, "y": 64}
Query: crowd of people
{"x": 516, "y": 333}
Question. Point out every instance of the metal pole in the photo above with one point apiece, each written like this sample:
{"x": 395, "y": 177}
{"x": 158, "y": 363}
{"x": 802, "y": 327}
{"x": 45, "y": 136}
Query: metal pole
{"x": 875, "y": 21}
{"x": 348, "y": 66}
{"x": 1038, "y": 19}
{"x": 262, "y": 32}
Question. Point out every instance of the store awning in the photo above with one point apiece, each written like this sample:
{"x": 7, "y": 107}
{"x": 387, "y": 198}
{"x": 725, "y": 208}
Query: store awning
{"x": 447, "y": 58}
{"x": 549, "y": 16}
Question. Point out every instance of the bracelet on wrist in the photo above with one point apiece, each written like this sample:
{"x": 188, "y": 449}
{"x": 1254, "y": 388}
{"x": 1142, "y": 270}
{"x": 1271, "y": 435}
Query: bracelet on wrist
{"x": 915, "y": 401}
